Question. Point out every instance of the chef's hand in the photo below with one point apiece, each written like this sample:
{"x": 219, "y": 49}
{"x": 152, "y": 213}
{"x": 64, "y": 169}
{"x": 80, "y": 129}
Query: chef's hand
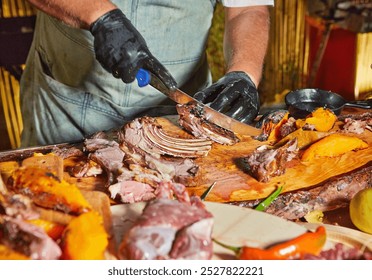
{"x": 122, "y": 50}
{"x": 234, "y": 95}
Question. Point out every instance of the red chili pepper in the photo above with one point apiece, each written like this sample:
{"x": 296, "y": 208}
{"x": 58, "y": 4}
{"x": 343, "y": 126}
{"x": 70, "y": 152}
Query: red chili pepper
{"x": 307, "y": 243}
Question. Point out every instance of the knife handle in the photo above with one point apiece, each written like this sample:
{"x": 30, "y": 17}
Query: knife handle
{"x": 143, "y": 77}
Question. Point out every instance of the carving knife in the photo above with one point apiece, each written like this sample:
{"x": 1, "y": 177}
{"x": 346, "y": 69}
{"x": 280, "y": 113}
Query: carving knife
{"x": 145, "y": 77}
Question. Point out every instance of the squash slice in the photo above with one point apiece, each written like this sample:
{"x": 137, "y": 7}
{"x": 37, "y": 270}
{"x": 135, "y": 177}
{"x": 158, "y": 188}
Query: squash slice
{"x": 322, "y": 119}
{"x": 85, "y": 238}
{"x": 333, "y": 145}
{"x": 46, "y": 190}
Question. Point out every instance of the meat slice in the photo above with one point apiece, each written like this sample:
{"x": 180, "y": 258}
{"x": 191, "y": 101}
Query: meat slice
{"x": 193, "y": 120}
{"x": 147, "y": 134}
{"x": 17, "y": 206}
{"x": 28, "y": 239}
{"x": 169, "y": 228}
{"x": 356, "y": 126}
{"x": 110, "y": 159}
{"x": 139, "y": 150}
{"x": 131, "y": 191}
{"x": 266, "y": 162}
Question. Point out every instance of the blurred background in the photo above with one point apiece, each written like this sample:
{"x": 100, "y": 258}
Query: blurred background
{"x": 323, "y": 44}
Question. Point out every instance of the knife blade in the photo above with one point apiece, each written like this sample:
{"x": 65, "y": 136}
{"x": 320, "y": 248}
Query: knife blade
{"x": 145, "y": 77}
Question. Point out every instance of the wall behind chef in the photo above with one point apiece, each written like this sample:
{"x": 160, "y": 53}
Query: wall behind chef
{"x": 80, "y": 72}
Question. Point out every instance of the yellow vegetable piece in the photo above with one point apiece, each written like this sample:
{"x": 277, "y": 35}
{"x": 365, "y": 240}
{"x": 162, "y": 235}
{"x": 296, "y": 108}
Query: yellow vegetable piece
{"x": 333, "y": 145}
{"x": 46, "y": 190}
{"x": 322, "y": 119}
{"x": 85, "y": 238}
{"x": 360, "y": 210}
{"x": 315, "y": 216}
{"x": 7, "y": 253}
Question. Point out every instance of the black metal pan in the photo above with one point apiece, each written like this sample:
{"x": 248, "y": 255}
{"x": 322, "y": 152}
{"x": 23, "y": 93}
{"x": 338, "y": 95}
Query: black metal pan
{"x": 302, "y": 102}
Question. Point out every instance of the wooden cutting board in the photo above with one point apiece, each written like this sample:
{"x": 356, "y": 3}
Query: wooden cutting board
{"x": 224, "y": 166}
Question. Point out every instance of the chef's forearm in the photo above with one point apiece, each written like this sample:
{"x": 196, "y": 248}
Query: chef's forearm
{"x": 245, "y": 40}
{"x": 77, "y": 13}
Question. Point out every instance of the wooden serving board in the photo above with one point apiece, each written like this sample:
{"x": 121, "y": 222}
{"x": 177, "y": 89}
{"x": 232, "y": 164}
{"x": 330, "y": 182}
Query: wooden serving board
{"x": 224, "y": 165}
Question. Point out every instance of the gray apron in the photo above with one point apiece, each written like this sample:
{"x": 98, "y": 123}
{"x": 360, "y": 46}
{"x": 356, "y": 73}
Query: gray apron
{"x": 66, "y": 94}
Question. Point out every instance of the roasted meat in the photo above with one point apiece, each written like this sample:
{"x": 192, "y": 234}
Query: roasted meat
{"x": 264, "y": 162}
{"x": 170, "y": 228}
{"x": 17, "y": 206}
{"x": 27, "y": 239}
{"x": 192, "y": 119}
{"x": 146, "y": 134}
{"x": 267, "y": 123}
{"x": 140, "y": 149}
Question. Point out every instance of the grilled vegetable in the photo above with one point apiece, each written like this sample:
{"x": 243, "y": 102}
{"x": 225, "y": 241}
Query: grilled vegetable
{"x": 322, "y": 119}
{"x": 46, "y": 190}
{"x": 333, "y": 145}
{"x": 266, "y": 202}
{"x": 309, "y": 243}
{"x": 85, "y": 238}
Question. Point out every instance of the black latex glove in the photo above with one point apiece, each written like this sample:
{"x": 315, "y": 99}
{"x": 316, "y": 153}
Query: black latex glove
{"x": 234, "y": 95}
{"x": 122, "y": 50}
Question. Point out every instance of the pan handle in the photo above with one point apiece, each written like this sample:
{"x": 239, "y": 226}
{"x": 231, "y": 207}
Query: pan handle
{"x": 364, "y": 104}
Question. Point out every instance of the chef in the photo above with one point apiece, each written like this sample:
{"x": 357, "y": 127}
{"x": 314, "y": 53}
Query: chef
{"x": 80, "y": 75}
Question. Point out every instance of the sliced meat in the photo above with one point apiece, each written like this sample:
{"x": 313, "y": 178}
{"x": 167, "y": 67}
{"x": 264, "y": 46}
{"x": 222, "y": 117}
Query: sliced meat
{"x": 85, "y": 168}
{"x": 17, "y": 206}
{"x": 170, "y": 229}
{"x": 97, "y": 141}
{"x": 266, "y": 162}
{"x": 193, "y": 120}
{"x": 147, "y": 134}
{"x": 356, "y": 126}
{"x": 139, "y": 150}
{"x": 27, "y": 239}
{"x": 67, "y": 152}
{"x": 110, "y": 158}
{"x": 131, "y": 191}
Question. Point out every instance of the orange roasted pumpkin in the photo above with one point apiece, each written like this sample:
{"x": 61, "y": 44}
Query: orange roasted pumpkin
{"x": 322, "y": 119}
{"x": 46, "y": 190}
{"x": 333, "y": 145}
{"x": 85, "y": 238}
